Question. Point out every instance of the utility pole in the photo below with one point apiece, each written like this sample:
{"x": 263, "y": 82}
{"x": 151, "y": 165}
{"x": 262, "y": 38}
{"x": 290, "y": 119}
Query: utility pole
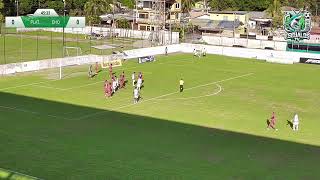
{"x": 63, "y": 44}
{"x": 113, "y": 23}
{"x": 234, "y": 28}
{"x": 64, "y": 19}
{"x": 17, "y": 6}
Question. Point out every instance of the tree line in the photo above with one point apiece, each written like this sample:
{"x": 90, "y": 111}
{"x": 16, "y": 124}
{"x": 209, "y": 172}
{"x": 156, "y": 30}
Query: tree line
{"x": 93, "y": 8}
{"x": 73, "y": 7}
{"x": 253, "y": 5}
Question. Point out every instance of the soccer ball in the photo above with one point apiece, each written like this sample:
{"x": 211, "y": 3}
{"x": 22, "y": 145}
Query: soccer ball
{"x": 307, "y": 15}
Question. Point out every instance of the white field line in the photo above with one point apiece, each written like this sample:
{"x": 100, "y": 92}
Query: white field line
{"x": 32, "y": 112}
{"x": 48, "y": 87}
{"x": 164, "y": 95}
{"x": 15, "y": 172}
{"x": 195, "y": 97}
{"x": 75, "y": 87}
{"x": 85, "y": 85}
{"x": 41, "y": 82}
{"x": 24, "y": 85}
{"x": 65, "y": 89}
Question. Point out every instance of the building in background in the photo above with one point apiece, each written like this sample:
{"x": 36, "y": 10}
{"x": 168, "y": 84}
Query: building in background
{"x": 259, "y": 23}
{"x": 153, "y": 15}
{"x": 225, "y": 23}
{"x": 111, "y": 20}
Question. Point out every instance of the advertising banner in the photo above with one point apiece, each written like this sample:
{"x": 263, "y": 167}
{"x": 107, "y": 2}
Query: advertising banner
{"x": 309, "y": 60}
{"x": 297, "y": 25}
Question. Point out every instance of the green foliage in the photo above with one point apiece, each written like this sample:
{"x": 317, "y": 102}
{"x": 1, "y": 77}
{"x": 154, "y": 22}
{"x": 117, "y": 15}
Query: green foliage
{"x": 123, "y": 23}
{"x": 223, "y": 5}
{"x": 27, "y": 7}
{"x": 94, "y": 8}
{"x": 1, "y": 9}
{"x": 260, "y": 5}
{"x": 56, "y": 5}
{"x": 187, "y": 5}
{"x": 274, "y": 10}
{"x": 128, "y": 3}
{"x": 243, "y": 5}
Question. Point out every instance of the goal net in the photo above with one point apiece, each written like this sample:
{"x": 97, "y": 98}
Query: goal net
{"x": 68, "y": 52}
{"x": 72, "y": 51}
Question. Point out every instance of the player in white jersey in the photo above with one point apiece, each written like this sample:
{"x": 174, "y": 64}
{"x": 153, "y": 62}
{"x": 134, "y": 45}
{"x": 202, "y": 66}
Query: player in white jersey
{"x": 133, "y": 77}
{"x": 181, "y": 82}
{"x": 139, "y": 84}
{"x": 117, "y": 81}
{"x": 114, "y": 86}
{"x": 135, "y": 95}
{"x": 204, "y": 52}
{"x": 295, "y": 123}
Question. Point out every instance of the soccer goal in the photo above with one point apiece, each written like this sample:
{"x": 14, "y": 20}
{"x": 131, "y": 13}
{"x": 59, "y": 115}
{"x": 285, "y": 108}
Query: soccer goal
{"x": 68, "y": 52}
{"x": 72, "y": 51}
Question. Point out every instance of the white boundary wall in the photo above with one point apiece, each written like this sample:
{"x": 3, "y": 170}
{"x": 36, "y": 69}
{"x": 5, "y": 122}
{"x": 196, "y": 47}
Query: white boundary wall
{"x": 54, "y": 63}
{"x": 249, "y": 43}
{"x": 283, "y": 57}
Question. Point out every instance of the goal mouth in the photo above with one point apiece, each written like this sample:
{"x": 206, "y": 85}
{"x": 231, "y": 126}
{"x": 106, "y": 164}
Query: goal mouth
{"x": 70, "y": 51}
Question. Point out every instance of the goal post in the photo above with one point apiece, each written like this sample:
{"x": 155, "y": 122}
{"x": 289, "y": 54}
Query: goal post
{"x": 69, "y": 51}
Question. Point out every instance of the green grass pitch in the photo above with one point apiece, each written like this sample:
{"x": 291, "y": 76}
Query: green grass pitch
{"x": 216, "y": 129}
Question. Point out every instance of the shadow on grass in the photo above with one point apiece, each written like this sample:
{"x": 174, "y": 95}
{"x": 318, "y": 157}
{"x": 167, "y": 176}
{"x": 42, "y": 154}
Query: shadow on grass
{"x": 47, "y": 139}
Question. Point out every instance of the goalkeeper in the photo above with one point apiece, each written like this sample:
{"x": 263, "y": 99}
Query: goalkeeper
{"x": 90, "y": 73}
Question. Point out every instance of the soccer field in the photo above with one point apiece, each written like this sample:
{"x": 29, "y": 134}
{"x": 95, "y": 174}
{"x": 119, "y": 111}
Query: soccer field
{"x": 216, "y": 129}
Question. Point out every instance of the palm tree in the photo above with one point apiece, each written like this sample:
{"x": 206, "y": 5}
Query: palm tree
{"x": 274, "y": 10}
{"x": 187, "y": 5}
{"x": 95, "y": 8}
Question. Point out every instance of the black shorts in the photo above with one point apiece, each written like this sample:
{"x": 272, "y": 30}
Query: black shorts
{"x": 181, "y": 88}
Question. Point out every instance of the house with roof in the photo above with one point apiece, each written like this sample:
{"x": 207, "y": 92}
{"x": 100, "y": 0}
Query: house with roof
{"x": 241, "y": 16}
{"x": 111, "y": 19}
{"x": 259, "y": 23}
{"x": 222, "y": 22}
{"x": 147, "y": 17}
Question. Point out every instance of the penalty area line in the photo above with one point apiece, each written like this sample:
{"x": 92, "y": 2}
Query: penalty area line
{"x": 164, "y": 95}
{"x": 24, "y": 85}
{"x": 32, "y": 112}
{"x": 11, "y": 173}
{"x": 195, "y": 97}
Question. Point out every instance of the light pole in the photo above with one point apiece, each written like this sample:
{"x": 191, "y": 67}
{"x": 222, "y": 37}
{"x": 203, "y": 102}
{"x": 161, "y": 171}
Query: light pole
{"x": 63, "y": 44}
{"x": 64, "y": 19}
{"x": 17, "y": 6}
